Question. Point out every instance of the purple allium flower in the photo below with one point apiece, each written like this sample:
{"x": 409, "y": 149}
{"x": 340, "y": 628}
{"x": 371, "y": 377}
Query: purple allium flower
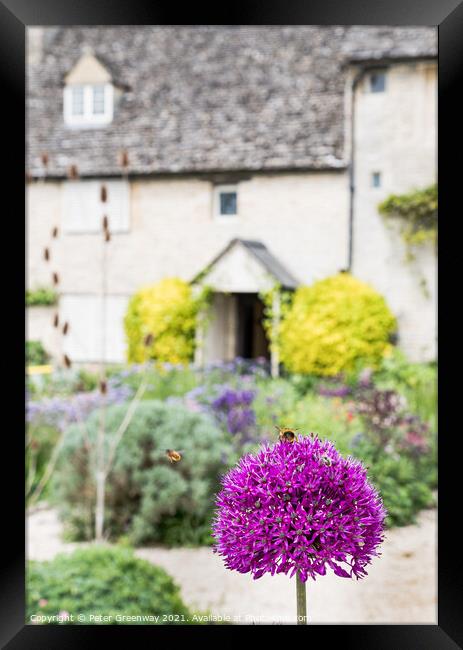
{"x": 298, "y": 507}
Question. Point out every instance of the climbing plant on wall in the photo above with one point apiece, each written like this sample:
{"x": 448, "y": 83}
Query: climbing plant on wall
{"x": 417, "y": 211}
{"x": 271, "y": 321}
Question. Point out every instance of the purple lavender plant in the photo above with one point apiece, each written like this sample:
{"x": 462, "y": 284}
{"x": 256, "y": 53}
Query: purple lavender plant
{"x": 298, "y": 508}
{"x": 233, "y": 408}
{"x": 62, "y": 411}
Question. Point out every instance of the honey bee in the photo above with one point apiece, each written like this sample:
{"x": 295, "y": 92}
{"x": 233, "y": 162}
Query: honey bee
{"x": 285, "y": 433}
{"x": 173, "y": 456}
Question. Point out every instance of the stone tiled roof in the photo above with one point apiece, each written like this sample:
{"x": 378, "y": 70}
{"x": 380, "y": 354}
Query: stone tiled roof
{"x": 199, "y": 99}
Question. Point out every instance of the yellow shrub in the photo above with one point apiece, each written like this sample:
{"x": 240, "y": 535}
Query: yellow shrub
{"x": 333, "y": 325}
{"x": 167, "y": 310}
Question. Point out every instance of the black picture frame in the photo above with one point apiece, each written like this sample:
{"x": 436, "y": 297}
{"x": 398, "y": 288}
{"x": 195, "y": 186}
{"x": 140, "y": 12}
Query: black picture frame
{"x": 15, "y": 16}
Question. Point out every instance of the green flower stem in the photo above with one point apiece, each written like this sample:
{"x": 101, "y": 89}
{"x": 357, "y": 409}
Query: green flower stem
{"x": 301, "y": 601}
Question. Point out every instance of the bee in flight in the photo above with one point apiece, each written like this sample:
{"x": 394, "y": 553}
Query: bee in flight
{"x": 173, "y": 455}
{"x": 285, "y": 433}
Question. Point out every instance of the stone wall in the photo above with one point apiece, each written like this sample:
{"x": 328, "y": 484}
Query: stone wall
{"x": 395, "y": 135}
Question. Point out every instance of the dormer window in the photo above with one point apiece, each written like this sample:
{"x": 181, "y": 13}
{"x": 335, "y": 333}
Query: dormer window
{"x": 85, "y": 105}
{"x": 88, "y": 94}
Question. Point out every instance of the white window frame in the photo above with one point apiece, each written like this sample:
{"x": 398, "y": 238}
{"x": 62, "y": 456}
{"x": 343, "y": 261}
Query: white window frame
{"x": 223, "y": 189}
{"x": 88, "y": 118}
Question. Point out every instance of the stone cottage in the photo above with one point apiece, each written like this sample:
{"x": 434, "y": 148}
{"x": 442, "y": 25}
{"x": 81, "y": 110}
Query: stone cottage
{"x": 248, "y": 155}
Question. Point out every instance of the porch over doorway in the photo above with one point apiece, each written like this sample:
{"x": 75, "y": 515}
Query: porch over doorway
{"x": 237, "y": 277}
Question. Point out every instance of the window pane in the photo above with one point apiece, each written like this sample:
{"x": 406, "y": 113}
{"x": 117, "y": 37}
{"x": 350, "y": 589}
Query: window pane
{"x": 98, "y": 100}
{"x": 228, "y": 203}
{"x": 376, "y": 179}
{"x": 77, "y": 100}
{"x": 377, "y": 82}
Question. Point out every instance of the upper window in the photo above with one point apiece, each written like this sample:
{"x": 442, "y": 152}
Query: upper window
{"x": 226, "y": 201}
{"x": 83, "y": 210}
{"x": 377, "y": 81}
{"x": 88, "y": 104}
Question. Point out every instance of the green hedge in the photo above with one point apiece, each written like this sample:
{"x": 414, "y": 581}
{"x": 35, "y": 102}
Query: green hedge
{"x": 335, "y": 325}
{"x": 103, "y": 581}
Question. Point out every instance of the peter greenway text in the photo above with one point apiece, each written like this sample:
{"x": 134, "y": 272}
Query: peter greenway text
{"x": 168, "y": 619}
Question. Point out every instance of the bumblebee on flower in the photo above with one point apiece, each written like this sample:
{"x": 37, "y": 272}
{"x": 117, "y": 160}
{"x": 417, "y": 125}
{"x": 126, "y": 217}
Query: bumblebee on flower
{"x": 316, "y": 510}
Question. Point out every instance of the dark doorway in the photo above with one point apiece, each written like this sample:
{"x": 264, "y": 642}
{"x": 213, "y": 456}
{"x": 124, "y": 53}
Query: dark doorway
{"x": 251, "y": 340}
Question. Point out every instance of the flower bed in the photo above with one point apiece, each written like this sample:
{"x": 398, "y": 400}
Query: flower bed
{"x": 386, "y": 418}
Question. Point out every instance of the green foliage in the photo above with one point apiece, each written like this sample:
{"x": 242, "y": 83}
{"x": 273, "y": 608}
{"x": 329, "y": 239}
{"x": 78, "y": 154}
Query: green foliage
{"x": 103, "y": 580}
{"x": 272, "y": 325}
{"x": 168, "y": 312}
{"x": 36, "y": 354}
{"x": 417, "y": 382}
{"x": 147, "y": 498}
{"x": 302, "y": 383}
{"x": 42, "y": 297}
{"x": 41, "y": 441}
{"x": 333, "y": 325}
{"x": 85, "y": 381}
{"x": 274, "y": 405}
{"x": 417, "y": 211}
{"x": 163, "y": 380}
{"x": 404, "y": 484}
{"x": 327, "y": 417}
{"x": 61, "y": 382}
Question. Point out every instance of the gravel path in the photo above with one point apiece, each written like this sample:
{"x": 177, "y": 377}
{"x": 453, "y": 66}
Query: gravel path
{"x": 401, "y": 586}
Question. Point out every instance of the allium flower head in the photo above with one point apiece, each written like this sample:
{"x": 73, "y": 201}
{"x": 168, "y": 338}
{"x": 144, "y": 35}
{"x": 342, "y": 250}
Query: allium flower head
{"x": 298, "y": 507}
